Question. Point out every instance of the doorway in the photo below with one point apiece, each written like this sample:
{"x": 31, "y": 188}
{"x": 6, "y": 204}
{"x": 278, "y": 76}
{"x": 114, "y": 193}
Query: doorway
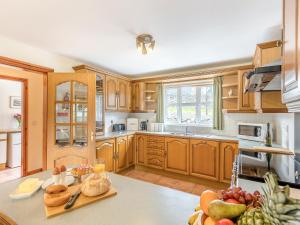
{"x": 13, "y": 123}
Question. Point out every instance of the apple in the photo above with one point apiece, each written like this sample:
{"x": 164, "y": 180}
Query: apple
{"x": 225, "y": 222}
{"x": 232, "y": 200}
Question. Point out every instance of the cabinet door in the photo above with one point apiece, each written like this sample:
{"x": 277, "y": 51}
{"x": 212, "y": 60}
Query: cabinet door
{"x": 122, "y": 95}
{"x": 130, "y": 149}
{"x": 177, "y": 155}
{"x": 138, "y": 96}
{"x": 204, "y": 159}
{"x": 129, "y": 96}
{"x": 121, "y": 153}
{"x": 246, "y": 100}
{"x": 228, "y": 151}
{"x": 71, "y": 118}
{"x": 290, "y": 79}
{"x": 141, "y": 149}
{"x": 111, "y": 93}
{"x": 105, "y": 150}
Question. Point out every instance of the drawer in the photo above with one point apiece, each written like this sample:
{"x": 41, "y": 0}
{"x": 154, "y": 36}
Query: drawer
{"x": 156, "y": 162}
{"x": 155, "y": 152}
{"x": 157, "y": 139}
{"x": 156, "y": 145}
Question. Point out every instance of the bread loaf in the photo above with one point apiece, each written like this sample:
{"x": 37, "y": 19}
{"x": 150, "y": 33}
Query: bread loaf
{"x": 58, "y": 199}
{"x": 55, "y": 189}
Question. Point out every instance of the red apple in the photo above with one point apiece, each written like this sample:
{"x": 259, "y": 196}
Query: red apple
{"x": 232, "y": 200}
{"x": 225, "y": 222}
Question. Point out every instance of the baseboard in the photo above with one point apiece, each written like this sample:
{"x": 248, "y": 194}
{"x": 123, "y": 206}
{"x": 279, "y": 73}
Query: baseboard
{"x": 34, "y": 171}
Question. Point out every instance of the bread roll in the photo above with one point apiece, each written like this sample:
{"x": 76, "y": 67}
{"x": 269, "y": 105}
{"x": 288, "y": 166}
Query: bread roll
{"x": 53, "y": 200}
{"x": 55, "y": 189}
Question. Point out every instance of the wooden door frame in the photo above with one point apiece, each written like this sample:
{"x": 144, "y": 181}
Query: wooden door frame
{"x": 39, "y": 70}
{"x": 24, "y": 129}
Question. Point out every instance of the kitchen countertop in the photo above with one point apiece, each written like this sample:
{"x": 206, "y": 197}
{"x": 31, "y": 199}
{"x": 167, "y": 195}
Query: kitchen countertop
{"x": 244, "y": 145}
{"x": 7, "y": 131}
{"x": 137, "y": 203}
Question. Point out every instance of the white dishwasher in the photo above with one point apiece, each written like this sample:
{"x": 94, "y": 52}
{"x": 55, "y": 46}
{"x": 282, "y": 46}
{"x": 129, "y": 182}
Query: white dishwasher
{"x": 14, "y": 150}
{"x": 3, "y": 150}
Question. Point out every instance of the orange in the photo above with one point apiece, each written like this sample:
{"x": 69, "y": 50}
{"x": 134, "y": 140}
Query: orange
{"x": 206, "y": 198}
{"x": 209, "y": 221}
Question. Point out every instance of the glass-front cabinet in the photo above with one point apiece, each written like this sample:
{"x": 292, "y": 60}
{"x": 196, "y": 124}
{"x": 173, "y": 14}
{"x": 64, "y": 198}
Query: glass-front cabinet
{"x": 75, "y": 117}
{"x": 71, "y": 114}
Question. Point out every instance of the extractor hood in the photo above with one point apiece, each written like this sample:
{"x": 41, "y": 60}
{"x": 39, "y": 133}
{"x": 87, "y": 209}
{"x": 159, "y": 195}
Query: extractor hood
{"x": 266, "y": 78}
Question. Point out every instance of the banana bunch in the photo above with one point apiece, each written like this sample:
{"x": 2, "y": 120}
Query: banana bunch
{"x": 196, "y": 216}
{"x": 253, "y": 216}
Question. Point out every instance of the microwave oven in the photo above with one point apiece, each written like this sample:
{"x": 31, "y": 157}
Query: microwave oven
{"x": 253, "y": 131}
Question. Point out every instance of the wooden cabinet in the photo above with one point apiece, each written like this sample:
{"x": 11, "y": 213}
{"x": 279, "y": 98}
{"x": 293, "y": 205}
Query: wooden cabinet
{"x": 111, "y": 93}
{"x": 141, "y": 149}
{"x": 227, "y": 155}
{"x": 290, "y": 68}
{"x": 177, "y": 155}
{"x": 130, "y": 150}
{"x": 156, "y": 151}
{"x": 204, "y": 159}
{"x": 121, "y": 153}
{"x": 117, "y": 94}
{"x": 245, "y": 100}
{"x": 106, "y": 150}
{"x": 144, "y": 97}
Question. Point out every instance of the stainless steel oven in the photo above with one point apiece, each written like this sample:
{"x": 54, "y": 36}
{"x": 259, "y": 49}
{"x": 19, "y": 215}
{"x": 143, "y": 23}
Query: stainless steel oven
{"x": 253, "y": 131}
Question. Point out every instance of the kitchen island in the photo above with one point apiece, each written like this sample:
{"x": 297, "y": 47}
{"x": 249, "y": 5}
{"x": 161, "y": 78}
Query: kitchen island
{"x": 137, "y": 203}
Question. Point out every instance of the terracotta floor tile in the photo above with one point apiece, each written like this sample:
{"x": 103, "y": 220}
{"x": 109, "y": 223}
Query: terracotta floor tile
{"x": 167, "y": 182}
{"x": 198, "y": 189}
{"x": 185, "y": 186}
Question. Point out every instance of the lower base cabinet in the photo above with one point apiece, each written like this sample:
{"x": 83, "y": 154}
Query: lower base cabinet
{"x": 177, "y": 155}
{"x": 204, "y": 159}
{"x": 228, "y": 151}
{"x": 106, "y": 150}
{"x": 130, "y": 150}
{"x": 141, "y": 141}
{"x": 121, "y": 153}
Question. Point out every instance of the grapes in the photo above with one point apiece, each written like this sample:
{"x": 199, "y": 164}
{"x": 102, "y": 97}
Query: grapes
{"x": 251, "y": 200}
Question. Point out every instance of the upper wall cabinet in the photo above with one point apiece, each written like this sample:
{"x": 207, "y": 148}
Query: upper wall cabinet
{"x": 117, "y": 89}
{"x": 290, "y": 70}
{"x": 144, "y": 97}
{"x": 117, "y": 94}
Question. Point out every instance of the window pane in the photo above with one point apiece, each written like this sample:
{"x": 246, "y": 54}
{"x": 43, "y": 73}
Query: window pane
{"x": 63, "y": 91}
{"x": 172, "y": 114}
{"x": 80, "y": 135}
{"x": 206, "y": 112}
{"x": 80, "y": 92}
{"x": 171, "y": 96}
{"x": 80, "y": 113}
{"x": 62, "y": 135}
{"x": 206, "y": 93}
{"x": 188, "y": 94}
{"x": 188, "y": 114}
{"x": 62, "y": 113}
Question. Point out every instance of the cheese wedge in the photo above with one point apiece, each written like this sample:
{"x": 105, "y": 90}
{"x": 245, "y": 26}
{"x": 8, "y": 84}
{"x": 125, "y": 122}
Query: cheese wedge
{"x": 27, "y": 186}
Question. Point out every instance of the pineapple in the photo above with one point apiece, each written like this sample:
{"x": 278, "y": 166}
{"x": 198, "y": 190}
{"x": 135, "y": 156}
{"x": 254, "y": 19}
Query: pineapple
{"x": 278, "y": 208}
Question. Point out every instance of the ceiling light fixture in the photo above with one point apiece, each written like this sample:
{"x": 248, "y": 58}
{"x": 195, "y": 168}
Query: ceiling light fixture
{"x": 145, "y": 43}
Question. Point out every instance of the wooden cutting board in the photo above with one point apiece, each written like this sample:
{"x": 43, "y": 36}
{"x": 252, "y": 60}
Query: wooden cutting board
{"x": 80, "y": 202}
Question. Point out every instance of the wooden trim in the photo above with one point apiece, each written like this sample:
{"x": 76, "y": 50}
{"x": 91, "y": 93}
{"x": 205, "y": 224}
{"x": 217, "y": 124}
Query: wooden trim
{"x": 24, "y": 65}
{"x": 34, "y": 171}
{"x": 194, "y": 74}
{"x": 24, "y": 157}
{"x": 45, "y": 120}
{"x": 99, "y": 70}
{"x": 270, "y": 44}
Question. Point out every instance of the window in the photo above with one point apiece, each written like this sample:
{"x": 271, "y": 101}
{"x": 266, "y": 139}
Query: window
{"x": 189, "y": 104}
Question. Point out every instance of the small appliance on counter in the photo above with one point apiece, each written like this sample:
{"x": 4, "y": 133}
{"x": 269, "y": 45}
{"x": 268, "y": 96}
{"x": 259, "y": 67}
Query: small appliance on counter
{"x": 253, "y": 131}
{"x": 132, "y": 124}
{"x": 118, "y": 127}
{"x": 143, "y": 125}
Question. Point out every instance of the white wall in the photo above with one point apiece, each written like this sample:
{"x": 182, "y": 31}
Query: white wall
{"x": 8, "y": 88}
{"x": 17, "y": 50}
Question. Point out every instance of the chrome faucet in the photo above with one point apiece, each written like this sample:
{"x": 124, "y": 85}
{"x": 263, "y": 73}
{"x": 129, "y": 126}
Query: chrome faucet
{"x": 186, "y": 130}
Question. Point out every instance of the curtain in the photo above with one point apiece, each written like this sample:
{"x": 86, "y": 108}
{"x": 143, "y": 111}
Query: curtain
{"x": 160, "y": 104}
{"x": 218, "y": 115}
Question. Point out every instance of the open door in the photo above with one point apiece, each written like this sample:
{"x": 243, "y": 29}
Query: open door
{"x": 71, "y": 119}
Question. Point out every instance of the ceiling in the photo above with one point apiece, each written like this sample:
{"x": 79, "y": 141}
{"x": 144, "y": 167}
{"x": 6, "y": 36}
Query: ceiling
{"x": 188, "y": 34}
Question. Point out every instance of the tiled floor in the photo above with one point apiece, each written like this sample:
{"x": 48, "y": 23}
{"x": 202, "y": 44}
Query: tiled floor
{"x": 10, "y": 174}
{"x": 162, "y": 180}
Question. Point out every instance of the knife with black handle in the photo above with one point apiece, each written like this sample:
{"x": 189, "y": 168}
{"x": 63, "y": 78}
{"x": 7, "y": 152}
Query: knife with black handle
{"x": 72, "y": 200}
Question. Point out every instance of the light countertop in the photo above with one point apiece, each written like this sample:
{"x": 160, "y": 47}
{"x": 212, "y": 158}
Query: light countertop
{"x": 244, "y": 145}
{"x": 137, "y": 203}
